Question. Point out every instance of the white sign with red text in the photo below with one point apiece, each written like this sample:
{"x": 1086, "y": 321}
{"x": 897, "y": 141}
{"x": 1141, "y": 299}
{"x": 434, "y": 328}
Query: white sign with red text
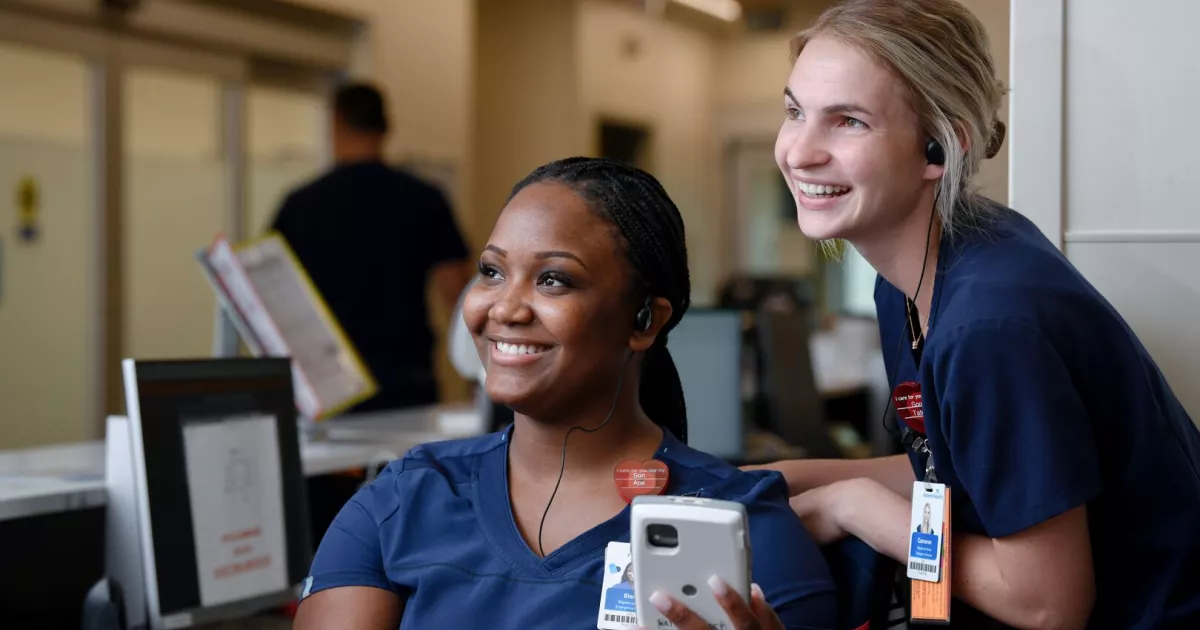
{"x": 236, "y": 494}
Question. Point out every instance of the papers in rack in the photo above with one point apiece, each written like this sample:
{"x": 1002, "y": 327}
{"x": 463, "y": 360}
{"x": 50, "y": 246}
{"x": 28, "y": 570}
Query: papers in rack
{"x": 278, "y": 312}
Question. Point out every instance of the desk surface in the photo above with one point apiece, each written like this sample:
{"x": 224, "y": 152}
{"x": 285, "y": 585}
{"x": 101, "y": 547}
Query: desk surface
{"x": 71, "y": 476}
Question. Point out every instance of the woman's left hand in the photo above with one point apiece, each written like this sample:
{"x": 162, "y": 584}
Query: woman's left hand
{"x": 755, "y": 615}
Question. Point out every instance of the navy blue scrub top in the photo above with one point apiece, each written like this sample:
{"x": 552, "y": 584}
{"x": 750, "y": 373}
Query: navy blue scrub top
{"x": 1038, "y": 398}
{"x": 436, "y": 528}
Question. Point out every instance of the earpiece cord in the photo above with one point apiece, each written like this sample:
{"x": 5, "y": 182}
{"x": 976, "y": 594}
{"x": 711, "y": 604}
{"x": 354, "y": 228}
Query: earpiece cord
{"x": 563, "y": 467}
{"x": 908, "y": 311}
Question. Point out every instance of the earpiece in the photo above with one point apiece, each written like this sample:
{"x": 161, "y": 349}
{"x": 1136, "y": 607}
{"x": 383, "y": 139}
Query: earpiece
{"x": 934, "y": 154}
{"x": 645, "y": 317}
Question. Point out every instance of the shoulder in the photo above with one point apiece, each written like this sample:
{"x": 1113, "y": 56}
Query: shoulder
{"x": 429, "y": 470}
{"x": 787, "y": 562}
{"x": 413, "y": 186}
{"x": 698, "y": 473}
{"x": 1005, "y": 269}
{"x": 454, "y": 459}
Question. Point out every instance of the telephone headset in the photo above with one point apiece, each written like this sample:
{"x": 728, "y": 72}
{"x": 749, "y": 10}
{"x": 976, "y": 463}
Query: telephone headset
{"x": 642, "y": 323}
{"x": 936, "y": 155}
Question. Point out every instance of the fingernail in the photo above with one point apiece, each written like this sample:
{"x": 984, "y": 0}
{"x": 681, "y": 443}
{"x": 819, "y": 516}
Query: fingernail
{"x": 660, "y": 601}
{"x": 718, "y": 586}
{"x": 755, "y": 591}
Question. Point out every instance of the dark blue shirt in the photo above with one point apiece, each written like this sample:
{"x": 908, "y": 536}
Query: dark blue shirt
{"x": 1038, "y": 398}
{"x": 436, "y": 528}
{"x": 369, "y": 235}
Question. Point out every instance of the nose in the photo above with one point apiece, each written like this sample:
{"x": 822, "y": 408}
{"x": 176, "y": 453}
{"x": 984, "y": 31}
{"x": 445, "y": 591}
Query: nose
{"x": 511, "y": 307}
{"x": 800, "y": 147}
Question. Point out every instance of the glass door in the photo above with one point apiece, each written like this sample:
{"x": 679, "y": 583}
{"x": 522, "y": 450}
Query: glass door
{"x": 181, "y": 159}
{"x": 49, "y": 207}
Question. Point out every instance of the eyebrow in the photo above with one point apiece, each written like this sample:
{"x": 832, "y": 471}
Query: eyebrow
{"x": 542, "y": 255}
{"x": 560, "y": 254}
{"x": 836, "y": 108}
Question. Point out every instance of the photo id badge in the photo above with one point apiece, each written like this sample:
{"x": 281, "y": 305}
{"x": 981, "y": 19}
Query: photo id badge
{"x": 929, "y": 553}
{"x": 617, "y": 603}
{"x": 925, "y": 531}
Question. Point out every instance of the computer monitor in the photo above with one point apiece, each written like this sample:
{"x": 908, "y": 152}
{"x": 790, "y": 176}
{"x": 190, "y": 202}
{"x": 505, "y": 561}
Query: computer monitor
{"x": 215, "y": 503}
{"x": 794, "y": 408}
{"x": 707, "y": 349}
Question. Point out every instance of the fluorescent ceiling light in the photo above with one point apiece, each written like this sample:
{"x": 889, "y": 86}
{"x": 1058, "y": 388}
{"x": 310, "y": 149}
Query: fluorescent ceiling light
{"x": 728, "y": 10}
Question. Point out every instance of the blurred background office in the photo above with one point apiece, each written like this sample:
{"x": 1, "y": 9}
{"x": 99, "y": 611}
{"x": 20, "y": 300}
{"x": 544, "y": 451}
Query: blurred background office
{"x": 136, "y": 130}
{"x": 132, "y": 132}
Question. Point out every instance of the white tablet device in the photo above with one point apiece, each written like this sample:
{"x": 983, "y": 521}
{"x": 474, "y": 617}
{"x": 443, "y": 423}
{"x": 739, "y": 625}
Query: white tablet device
{"x": 678, "y": 543}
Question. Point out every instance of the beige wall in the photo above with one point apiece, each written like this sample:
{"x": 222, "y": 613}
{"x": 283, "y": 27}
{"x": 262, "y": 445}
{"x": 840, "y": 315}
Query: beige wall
{"x": 527, "y": 108}
{"x": 668, "y": 85}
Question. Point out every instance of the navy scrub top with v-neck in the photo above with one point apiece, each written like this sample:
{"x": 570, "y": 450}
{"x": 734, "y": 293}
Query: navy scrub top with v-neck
{"x": 436, "y": 528}
{"x": 1038, "y": 398}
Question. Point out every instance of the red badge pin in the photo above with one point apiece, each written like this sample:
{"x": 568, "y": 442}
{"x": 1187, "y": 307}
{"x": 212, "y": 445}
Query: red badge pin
{"x": 636, "y": 478}
{"x": 907, "y": 398}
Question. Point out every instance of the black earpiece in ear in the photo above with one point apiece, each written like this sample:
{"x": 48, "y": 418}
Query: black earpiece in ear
{"x": 934, "y": 154}
{"x": 645, "y": 317}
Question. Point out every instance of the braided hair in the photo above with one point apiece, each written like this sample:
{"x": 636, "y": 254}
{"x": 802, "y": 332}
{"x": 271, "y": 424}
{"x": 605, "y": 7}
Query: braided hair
{"x": 650, "y": 229}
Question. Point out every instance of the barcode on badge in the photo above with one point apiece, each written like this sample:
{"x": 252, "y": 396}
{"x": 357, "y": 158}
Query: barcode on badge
{"x": 620, "y": 618}
{"x": 921, "y": 566}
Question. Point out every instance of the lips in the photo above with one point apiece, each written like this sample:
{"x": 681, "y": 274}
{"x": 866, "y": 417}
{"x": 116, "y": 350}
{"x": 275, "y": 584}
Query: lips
{"x": 515, "y": 353}
{"x": 517, "y": 349}
{"x": 822, "y": 190}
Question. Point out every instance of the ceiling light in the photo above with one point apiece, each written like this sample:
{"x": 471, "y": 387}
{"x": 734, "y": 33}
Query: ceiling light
{"x": 728, "y": 10}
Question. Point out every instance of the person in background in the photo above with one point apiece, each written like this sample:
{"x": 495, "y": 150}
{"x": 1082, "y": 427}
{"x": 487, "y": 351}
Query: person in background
{"x": 1073, "y": 468}
{"x": 372, "y": 237}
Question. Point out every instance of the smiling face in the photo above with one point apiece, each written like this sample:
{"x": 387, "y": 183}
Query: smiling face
{"x": 850, "y": 146}
{"x": 551, "y": 313}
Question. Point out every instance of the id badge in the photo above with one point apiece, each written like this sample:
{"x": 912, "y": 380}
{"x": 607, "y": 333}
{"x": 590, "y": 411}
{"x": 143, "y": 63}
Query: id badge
{"x": 929, "y": 553}
{"x": 618, "y": 609}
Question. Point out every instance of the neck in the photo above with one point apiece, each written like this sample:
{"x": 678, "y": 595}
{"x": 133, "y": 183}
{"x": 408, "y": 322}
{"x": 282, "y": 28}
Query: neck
{"x": 354, "y": 150}
{"x": 537, "y": 444}
{"x": 899, "y": 253}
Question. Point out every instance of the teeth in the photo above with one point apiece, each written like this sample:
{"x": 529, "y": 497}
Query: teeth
{"x": 512, "y": 348}
{"x": 814, "y": 190}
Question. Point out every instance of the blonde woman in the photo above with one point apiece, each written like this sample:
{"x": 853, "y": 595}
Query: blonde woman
{"x": 1017, "y": 385}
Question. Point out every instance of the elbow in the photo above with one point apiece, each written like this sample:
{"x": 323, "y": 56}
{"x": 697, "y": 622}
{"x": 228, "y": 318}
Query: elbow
{"x": 1065, "y": 611}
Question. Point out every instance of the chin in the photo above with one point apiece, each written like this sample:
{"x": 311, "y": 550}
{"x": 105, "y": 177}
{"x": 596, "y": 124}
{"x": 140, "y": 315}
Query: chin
{"x": 514, "y": 393}
{"x": 820, "y": 228}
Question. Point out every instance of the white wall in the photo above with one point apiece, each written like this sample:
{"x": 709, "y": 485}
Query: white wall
{"x": 1118, "y": 184}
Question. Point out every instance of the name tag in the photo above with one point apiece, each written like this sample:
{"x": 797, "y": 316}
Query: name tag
{"x": 618, "y": 606}
{"x": 929, "y": 552}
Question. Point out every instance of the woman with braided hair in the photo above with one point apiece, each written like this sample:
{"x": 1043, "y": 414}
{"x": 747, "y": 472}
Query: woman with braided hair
{"x": 582, "y": 280}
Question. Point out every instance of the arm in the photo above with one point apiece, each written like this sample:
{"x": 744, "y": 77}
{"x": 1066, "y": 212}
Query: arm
{"x": 1015, "y": 433}
{"x": 787, "y": 563}
{"x": 348, "y": 586}
{"x": 894, "y": 472}
{"x": 450, "y": 278}
{"x": 449, "y": 268}
{"x": 350, "y": 607}
{"x": 1038, "y": 578}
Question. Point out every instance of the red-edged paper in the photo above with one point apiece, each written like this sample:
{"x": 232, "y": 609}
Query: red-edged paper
{"x": 907, "y": 398}
{"x": 636, "y": 478}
